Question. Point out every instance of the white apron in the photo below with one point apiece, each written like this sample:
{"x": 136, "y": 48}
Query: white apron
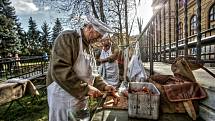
{"x": 109, "y": 71}
{"x": 62, "y": 105}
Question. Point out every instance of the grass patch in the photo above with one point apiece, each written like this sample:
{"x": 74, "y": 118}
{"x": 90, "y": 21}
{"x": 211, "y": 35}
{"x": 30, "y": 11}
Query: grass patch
{"x": 36, "y": 110}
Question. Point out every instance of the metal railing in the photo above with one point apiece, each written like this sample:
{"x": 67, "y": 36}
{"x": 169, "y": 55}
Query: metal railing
{"x": 25, "y": 67}
{"x": 159, "y": 41}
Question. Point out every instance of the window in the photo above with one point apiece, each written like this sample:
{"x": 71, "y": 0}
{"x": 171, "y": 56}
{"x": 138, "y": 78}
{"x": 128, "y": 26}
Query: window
{"x": 194, "y": 51}
{"x": 193, "y": 25}
{"x": 212, "y": 17}
{"x": 180, "y": 31}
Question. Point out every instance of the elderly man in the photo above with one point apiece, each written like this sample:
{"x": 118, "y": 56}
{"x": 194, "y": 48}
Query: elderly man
{"x": 108, "y": 58}
{"x": 70, "y": 79}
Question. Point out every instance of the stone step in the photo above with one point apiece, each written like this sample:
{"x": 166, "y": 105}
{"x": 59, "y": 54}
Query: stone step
{"x": 206, "y": 113}
{"x": 209, "y": 101}
{"x": 207, "y": 106}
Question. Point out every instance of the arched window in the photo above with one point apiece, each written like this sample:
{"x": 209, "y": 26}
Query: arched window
{"x": 193, "y": 25}
{"x": 212, "y": 17}
{"x": 180, "y": 31}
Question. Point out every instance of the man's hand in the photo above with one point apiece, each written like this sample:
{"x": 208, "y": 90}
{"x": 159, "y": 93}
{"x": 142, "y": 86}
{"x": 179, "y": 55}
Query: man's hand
{"x": 103, "y": 60}
{"x": 94, "y": 92}
{"x": 111, "y": 89}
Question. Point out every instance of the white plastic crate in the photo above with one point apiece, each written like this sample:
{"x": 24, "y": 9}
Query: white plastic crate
{"x": 143, "y": 105}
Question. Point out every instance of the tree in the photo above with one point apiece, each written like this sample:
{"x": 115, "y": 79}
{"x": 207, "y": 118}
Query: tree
{"x": 8, "y": 34}
{"x": 22, "y": 35}
{"x": 94, "y": 9}
{"x": 56, "y": 29}
{"x": 126, "y": 22}
{"x": 117, "y": 9}
{"x": 9, "y": 10}
{"x": 140, "y": 24}
{"x": 45, "y": 37}
{"x": 112, "y": 12}
{"x": 24, "y": 42}
{"x": 33, "y": 34}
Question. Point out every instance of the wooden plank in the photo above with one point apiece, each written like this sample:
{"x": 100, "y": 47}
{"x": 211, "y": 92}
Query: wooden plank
{"x": 122, "y": 104}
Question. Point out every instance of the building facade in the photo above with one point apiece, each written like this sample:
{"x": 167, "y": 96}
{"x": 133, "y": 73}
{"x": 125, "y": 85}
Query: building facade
{"x": 181, "y": 28}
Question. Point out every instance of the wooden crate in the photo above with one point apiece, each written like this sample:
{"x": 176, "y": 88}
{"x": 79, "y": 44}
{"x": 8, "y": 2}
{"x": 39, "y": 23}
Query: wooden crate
{"x": 143, "y": 105}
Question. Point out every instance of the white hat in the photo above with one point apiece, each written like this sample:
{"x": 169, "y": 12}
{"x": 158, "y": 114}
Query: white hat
{"x": 98, "y": 25}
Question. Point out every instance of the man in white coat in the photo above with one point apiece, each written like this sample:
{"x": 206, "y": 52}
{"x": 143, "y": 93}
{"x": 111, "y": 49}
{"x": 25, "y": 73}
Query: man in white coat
{"x": 109, "y": 69}
{"x": 69, "y": 79}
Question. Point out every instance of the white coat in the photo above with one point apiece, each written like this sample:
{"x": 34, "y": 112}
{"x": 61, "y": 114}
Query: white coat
{"x": 109, "y": 71}
{"x": 62, "y": 105}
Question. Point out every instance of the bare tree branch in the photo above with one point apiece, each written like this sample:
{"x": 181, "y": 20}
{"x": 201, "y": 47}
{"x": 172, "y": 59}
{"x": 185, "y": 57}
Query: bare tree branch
{"x": 94, "y": 9}
{"x": 101, "y": 11}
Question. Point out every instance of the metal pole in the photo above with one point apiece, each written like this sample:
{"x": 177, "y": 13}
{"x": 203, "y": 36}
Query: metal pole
{"x": 160, "y": 37}
{"x": 198, "y": 29}
{"x": 185, "y": 29}
{"x": 156, "y": 35}
{"x": 147, "y": 43}
{"x": 176, "y": 28}
{"x": 164, "y": 33}
{"x": 151, "y": 50}
{"x": 169, "y": 30}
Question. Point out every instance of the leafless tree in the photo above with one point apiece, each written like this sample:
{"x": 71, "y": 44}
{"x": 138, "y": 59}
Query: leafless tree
{"x": 113, "y": 12}
{"x": 94, "y": 9}
{"x": 140, "y": 24}
{"x": 101, "y": 11}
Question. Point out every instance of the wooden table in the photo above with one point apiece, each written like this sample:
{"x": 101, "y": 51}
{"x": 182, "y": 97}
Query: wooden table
{"x": 120, "y": 113}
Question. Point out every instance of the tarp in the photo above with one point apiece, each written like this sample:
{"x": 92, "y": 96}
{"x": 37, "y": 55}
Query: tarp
{"x": 16, "y": 88}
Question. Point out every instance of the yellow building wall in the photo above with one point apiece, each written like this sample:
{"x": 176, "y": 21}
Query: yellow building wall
{"x": 207, "y": 50}
{"x": 205, "y": 4}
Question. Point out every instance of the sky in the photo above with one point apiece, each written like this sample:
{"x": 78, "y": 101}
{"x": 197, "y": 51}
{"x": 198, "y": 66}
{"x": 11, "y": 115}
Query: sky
{"x": 144, "y": 11}
{"x": 40, "y": 13}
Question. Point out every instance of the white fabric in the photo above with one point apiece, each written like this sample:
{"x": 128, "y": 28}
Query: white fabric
{"x": 105, "y": 36}
{"x": 136, "y": 71}
{"x": 109, "y": 71}
{"x": 82, "y": 65}
{"x": 62, "y": 105}
{"x": 137, "y": 49}
{"x": 17, "y": 80}
{"x": 99, "y": 26}
{"x": 94, "y": 66}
